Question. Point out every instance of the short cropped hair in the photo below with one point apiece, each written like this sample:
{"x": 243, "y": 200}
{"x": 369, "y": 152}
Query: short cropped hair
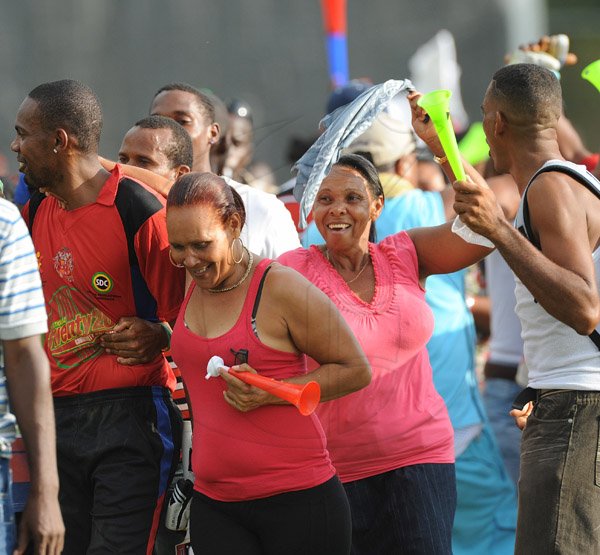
{"x": 179, "y": 150}
{"x": 528, "y": 93}
{"x": 204, "y": 102}
{"x": 72, "y": 106}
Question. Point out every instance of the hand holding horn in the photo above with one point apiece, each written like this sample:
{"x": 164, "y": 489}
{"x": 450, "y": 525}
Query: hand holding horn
{"x": 305, "y": 397}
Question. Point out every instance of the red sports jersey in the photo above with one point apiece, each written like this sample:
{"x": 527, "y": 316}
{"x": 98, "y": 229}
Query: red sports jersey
{"x": 98, "y": 263}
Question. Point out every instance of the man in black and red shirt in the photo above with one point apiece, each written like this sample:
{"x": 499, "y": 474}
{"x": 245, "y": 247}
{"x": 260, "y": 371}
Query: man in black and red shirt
{"x": 103, "y": 254}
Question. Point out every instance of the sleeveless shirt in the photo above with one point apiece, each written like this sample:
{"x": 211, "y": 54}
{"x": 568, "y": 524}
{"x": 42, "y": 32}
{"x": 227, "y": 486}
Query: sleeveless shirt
{"x": 239, "y": 456}
{"x": 557, "y": 356}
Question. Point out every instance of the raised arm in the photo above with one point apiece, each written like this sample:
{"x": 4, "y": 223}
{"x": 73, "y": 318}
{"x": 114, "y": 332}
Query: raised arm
{"x": 441, "y": 251}
{"x": 425, "y": 129}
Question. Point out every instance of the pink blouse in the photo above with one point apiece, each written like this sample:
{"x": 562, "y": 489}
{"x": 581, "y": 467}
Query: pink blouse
{"x": 399, "y": 419}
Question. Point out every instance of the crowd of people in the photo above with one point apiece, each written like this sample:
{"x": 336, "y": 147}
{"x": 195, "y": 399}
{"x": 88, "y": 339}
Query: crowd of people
{"x": 134, "y": 270}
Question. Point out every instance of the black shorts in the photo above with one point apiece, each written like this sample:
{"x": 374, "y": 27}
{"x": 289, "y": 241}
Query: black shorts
{"x": 117, "y": 450}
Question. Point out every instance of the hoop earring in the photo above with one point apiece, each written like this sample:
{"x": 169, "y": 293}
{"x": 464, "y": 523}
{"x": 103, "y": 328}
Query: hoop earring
{"x": 242, "y": 249}
{"x": 172, "y": 262}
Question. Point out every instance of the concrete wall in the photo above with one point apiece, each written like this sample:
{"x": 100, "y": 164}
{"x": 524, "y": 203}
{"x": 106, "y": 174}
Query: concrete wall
{"x": 269, "y": 52}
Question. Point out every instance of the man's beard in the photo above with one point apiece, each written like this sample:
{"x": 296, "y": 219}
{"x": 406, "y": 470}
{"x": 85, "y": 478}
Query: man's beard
{"x": 36, "y": 181}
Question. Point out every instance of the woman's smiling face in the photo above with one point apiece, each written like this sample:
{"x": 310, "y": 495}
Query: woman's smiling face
{"x": 344, "y": 208}
{"x": 202, "y": 242}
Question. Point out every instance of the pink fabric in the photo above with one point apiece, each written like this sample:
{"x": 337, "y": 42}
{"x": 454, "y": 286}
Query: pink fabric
{"x": 399, "y": 419}
{"x": 240, "y": 456}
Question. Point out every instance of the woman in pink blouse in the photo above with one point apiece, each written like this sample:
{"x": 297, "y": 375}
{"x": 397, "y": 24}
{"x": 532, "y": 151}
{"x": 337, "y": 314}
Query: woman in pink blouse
{"x": 391, "y": 442}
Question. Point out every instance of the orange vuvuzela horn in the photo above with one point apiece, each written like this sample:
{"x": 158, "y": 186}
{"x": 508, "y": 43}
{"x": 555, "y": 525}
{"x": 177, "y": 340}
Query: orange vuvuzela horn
{"x": 305, "y": 397}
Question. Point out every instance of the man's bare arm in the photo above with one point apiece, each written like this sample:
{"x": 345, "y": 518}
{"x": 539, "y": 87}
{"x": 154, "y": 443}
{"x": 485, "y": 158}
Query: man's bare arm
{"x": 561, "y": 276}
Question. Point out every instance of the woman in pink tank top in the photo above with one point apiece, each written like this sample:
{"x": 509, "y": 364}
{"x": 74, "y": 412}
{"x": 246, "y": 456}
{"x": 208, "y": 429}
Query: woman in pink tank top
{"x": 264, "y": 482}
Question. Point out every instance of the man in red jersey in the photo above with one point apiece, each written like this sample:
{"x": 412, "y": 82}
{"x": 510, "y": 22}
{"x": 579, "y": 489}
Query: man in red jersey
{"x": 102, "y": 249}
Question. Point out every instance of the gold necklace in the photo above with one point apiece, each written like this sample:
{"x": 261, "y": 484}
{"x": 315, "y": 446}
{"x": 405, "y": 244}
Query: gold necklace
{"x": 359, "y": 272}
{"x": 241, "y": 280}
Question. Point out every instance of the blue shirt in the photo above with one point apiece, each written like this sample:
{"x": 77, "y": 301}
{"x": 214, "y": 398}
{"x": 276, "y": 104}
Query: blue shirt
{"x": 21, "y": 194}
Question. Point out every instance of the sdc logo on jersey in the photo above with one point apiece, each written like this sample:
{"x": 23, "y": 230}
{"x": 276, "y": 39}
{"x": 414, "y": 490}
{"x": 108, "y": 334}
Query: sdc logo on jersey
{"x": 102, "y": 282}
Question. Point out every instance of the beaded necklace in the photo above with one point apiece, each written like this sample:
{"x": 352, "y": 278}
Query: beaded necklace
{"x": 241, "y": 280}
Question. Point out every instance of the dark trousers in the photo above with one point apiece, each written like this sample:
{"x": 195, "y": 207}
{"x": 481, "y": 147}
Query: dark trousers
{"x": 116, "y": 453}
{"x": 313, "y": 521}
{"x": 407, "y": 510}
{"x": 559, "y": 487}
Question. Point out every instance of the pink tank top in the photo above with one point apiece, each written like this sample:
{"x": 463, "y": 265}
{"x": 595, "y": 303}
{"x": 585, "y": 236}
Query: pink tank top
{"x": 239, "y": 456}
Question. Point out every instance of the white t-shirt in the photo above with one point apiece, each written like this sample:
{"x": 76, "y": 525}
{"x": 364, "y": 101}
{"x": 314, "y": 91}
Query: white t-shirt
{"x": 269, "y": 230}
